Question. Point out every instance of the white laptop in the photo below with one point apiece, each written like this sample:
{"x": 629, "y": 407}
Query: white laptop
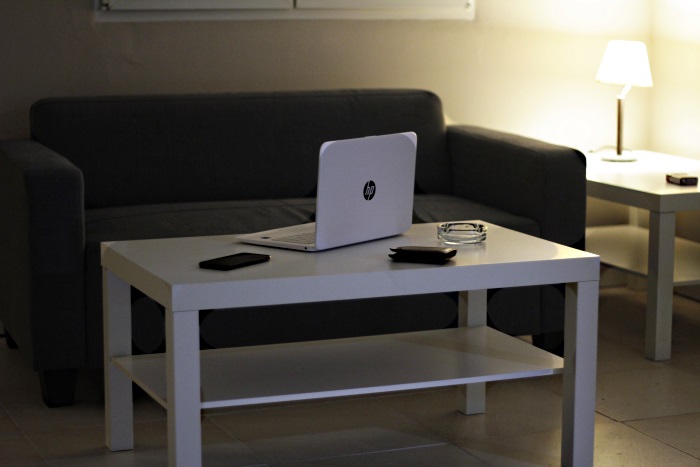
{"x": 365, "y": 192}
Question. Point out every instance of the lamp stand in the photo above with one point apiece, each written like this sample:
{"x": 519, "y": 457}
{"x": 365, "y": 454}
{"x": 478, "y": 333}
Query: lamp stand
{"x": 620, "y": 155}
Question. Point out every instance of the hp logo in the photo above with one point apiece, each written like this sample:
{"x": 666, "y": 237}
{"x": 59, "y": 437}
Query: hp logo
{"x": 369, "y": 190}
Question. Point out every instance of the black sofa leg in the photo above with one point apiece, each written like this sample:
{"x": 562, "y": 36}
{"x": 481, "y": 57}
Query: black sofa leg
{"x": 58, "y": 387}
{"x": 552, "y": 342}
{"x": 10, "y": 341}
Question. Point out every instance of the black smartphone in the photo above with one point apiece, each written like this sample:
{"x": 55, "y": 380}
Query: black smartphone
{"x": 423, "y": 254}
{"x": 239, "y": 260}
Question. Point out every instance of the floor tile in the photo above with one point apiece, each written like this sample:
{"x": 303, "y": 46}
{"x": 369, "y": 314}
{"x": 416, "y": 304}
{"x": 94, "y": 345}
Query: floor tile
{"x": 512, "y": 407}
{"x": 614, "y": 356}
{"x": 533, "y": 449}
{"x": 681, "y": 432}
{"x": 442, "y": 455}
{"x": 634, "y": 395}
{"x": 8, "y": 428}
{"x": 616, "y": 445}
{"x": 323, "y": 429}
{"x": 36, "y": 417}
{"x": 86, "y": 447}
{"x": 17, "y": 451}
{"x": 619, "y": 445}
{"x": 622, "y": 317}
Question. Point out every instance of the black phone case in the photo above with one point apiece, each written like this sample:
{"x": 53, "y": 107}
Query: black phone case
{"x": 239, "y": 260}
{"x": 422, "y": 254}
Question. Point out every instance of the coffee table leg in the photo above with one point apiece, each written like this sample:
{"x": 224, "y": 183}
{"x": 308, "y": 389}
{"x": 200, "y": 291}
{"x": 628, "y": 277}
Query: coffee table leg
{"x": 662, "y": 232}
{"x": 119, "y": 407}
{"x": 580, "y": 353}
{"x": 183, "y": 382}
{"x": 472, "y": 312}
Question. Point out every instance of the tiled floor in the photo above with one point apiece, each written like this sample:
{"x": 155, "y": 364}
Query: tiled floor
{"x": 648, "y": 415}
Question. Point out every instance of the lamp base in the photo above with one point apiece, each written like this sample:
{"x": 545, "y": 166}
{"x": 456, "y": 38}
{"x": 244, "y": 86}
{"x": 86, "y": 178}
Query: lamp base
{"x": 619, "y": 158}
{"x": 613, "y": 156}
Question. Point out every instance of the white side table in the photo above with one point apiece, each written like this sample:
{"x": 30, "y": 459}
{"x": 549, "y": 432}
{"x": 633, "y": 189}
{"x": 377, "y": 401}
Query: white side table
{"x": 648, "y": 252}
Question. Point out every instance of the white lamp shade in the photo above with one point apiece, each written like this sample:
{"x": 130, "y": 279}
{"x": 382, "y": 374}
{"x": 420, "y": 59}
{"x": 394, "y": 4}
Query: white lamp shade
{"x": 625, "y": 63}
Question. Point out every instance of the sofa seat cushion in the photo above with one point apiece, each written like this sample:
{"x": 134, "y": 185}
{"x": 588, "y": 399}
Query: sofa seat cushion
{"x": 194, "y": 219}
{"x": 441, "y": 208}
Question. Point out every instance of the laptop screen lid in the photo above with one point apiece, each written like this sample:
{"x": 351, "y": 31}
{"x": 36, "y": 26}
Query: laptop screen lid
{"x": 365, "y": 192}
{"x": 365, "y": 189}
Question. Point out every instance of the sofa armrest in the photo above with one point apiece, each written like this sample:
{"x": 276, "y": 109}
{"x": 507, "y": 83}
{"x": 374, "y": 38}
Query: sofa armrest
{"x": 42, "y": 250}
{"x": 527, "y": 177}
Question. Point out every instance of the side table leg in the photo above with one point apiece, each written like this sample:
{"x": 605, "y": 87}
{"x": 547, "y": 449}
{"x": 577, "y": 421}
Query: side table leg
{"x": 119, "y": 407}
{"x": 580, "y": 353}
{"x": 662, "y": 237}
{"x": 472, "y": 312}
{"x": 183, "y": 382}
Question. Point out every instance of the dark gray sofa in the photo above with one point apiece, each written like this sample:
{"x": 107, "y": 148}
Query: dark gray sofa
{"x": 114, "y": 168}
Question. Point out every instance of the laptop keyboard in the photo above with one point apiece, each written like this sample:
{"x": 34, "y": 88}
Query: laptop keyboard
{"x": 307, "y": 238}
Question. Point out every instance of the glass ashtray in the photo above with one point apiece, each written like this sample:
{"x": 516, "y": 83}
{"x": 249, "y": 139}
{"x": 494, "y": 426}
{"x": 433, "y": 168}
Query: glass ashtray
{"x": 461, "y": 233}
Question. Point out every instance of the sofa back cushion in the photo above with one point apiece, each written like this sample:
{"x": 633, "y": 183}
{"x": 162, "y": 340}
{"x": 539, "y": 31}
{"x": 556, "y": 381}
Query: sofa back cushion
{"x": 189, "y": 148}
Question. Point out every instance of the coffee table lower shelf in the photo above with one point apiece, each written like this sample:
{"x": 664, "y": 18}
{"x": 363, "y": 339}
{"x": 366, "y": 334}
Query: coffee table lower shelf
{"x": 345, "y": 367}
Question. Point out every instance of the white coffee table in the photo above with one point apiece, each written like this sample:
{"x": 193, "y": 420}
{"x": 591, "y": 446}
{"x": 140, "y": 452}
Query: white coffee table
{"x": 648, "y": 252}
{"x": 185, "y": 381}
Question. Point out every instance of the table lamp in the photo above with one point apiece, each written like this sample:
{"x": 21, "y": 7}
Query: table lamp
{"x": 625, "y": 63}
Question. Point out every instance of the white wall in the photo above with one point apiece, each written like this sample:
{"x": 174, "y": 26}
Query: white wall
{"x": 675, "y": 108}
{"x": 675, "y": 116}
{"x": 532, "y": 65}
{"x": 525, "y": 66}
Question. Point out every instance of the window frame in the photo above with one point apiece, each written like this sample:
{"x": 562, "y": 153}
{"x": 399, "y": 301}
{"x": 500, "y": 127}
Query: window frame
{"x": 178, "y": 10}
{"x": 379, "y": 4}
{"x": 193, "y": 5}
